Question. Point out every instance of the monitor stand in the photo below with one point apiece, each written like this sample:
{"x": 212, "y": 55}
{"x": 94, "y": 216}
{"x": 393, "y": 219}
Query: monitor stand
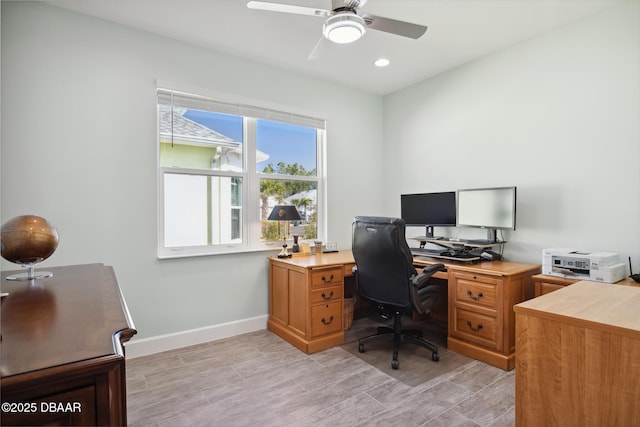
{"x": 428, "y": 234}
{"x": 492, "y": 235}
{"x": 429, "y": 231}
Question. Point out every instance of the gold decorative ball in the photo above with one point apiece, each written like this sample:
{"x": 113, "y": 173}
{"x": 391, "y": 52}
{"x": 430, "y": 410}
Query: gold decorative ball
{"x": 28, "y": 239}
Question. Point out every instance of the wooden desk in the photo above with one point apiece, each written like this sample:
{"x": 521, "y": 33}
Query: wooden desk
{"x": 577, "y": 359}
{"x": 62, "y": 346}
{"x": 305, "y": 303}
{"x": 306, "y": 299}
{"x": 544, "y": 283}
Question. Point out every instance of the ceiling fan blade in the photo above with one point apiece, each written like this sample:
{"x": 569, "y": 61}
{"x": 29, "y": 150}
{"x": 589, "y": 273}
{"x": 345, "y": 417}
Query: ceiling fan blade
{"x": 319, "y": 49}
{"x": 401, "y": 28}
{"x": 287, "y": 8}
{"x": 353, "y": 3}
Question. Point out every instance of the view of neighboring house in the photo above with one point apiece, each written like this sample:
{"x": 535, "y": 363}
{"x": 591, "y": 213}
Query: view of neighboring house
{"x": 206, "y": 209}
{"x": 306, "y": 202}
{"x": 186, "y": 143}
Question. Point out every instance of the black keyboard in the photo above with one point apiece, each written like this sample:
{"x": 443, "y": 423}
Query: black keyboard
{"x": 442, "y": 252}
{"x": 464, "y": 256}
{"x": 427, "y": 252}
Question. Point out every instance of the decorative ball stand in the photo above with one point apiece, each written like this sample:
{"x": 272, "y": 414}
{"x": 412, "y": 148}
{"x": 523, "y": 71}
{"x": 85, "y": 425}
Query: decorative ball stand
{"x": 28, "y": 240}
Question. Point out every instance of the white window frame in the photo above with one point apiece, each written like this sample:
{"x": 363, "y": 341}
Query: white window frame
{"x": 251, "y": 230}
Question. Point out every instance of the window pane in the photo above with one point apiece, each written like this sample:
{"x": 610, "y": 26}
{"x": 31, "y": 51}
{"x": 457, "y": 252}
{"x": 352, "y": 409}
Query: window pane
{"x": 199, "y": 210}
{"x": 235, "y": 224}
{"x": 236, "y": 208}
{"x": 302, "y": 194}
{"x": 285, "y": 149}
{"x": 200, "y": 139}
{"x": 210, "y": 194}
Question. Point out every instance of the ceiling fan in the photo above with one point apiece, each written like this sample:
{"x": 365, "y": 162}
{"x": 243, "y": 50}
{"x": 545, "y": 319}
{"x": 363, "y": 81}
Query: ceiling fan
{"x": 343, "y": 24}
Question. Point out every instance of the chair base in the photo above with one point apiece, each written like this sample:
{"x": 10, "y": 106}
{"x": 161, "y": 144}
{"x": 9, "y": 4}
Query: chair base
{"x": 398, "y": 334}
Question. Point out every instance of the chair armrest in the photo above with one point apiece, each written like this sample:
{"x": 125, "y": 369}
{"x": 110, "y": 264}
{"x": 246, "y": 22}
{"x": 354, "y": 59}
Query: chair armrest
{"x": 421, "y": 279}
{"x": 425, "y": 296}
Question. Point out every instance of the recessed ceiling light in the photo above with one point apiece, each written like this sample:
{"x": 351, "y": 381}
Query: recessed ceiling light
{"x": 381, "y": 62}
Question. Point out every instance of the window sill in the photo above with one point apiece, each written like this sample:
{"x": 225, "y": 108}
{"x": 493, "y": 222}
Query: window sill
{"x": 167, "y": 253}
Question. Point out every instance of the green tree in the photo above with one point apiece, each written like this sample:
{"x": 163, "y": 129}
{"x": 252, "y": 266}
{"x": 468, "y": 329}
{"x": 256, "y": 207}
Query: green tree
{"x": 303, "y": 201}
{"x": 280, "y": 190}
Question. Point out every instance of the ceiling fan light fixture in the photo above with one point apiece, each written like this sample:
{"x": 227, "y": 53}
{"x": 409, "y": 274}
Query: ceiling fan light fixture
{"x": 344, "y": 28}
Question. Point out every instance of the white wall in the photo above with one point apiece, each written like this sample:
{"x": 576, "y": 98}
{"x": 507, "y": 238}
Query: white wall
{"x": 79, "y": 148}
{"x": 558, "y": 116}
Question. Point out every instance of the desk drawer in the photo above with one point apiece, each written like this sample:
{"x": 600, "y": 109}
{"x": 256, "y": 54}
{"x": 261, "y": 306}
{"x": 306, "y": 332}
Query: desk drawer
{"x": 326, "y": 318}
{"x": 476, "y": 327}
{"x": 477, "y": 290}
{"x": 327, "y": 294}
{"x": 476, "y": 293}
{"x": 348, "y": 270}
{"x": 327, "y": 276}
{"x": 544, "y": 288}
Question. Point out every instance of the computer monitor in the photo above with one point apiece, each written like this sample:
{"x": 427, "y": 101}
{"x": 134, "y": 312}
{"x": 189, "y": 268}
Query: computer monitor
{"x": 429, "y": 210}
{"x": 490, "y": 208}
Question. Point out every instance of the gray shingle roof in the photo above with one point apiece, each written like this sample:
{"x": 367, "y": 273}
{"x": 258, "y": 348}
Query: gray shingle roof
{"x": 185, "y": 130}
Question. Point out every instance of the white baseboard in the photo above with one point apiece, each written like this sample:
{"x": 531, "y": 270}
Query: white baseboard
{"x": 157, "y": 344}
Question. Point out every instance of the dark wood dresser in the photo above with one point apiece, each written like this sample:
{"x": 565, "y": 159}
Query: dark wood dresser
{"x": 61, "y": 356}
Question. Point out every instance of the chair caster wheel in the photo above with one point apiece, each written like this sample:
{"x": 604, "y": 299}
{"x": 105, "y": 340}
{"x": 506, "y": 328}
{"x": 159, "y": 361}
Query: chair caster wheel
{"x": 394, "y": 364}
{"x": 435, "y": 357}
{"x": 361, "y": 348}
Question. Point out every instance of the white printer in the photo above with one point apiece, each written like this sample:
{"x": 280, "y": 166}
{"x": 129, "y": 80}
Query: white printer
{"x": 585, "y": 265}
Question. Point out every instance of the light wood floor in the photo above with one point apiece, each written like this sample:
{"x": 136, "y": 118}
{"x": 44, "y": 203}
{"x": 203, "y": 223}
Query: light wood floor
{"x": 258, "y": 379}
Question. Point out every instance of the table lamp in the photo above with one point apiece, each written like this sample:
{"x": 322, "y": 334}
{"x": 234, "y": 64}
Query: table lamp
{"x": 296, "y": 231}
{"x": 284, "y": 213}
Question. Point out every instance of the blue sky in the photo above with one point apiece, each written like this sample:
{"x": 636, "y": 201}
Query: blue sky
{"x": 282, "y": 142}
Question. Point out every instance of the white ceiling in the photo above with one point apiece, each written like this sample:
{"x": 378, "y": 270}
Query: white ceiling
{"x": 459, "y": 31}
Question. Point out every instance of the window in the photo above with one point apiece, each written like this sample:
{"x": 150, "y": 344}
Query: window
{"x": 222, "y": 167}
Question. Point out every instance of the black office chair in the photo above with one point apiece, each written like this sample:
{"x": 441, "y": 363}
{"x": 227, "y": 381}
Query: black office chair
{"x": 385, "y": 276}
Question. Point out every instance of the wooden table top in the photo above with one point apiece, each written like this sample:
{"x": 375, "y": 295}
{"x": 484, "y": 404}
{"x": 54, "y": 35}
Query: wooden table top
{"x": 66, "y": 318}
{"x": 627, "y": 281}
{"x": 604, "y": 306}
{"x": 345, "y": 257}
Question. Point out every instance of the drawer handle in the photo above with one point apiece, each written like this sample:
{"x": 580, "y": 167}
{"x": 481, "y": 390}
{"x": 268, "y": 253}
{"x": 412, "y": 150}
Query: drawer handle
{"x": 324, "y": 321}
{"x": 474, "y": 297}
{"x": 472, "y": 328}
{"x": 325, "y": 297}
{"x": 324, "y": 279}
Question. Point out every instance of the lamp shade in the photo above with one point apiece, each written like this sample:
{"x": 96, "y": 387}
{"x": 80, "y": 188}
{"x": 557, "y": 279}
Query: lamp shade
{"x": 284, "y": 213}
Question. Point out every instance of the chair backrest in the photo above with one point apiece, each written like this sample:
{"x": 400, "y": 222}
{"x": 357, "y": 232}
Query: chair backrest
{"x": 383, "y": 260}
